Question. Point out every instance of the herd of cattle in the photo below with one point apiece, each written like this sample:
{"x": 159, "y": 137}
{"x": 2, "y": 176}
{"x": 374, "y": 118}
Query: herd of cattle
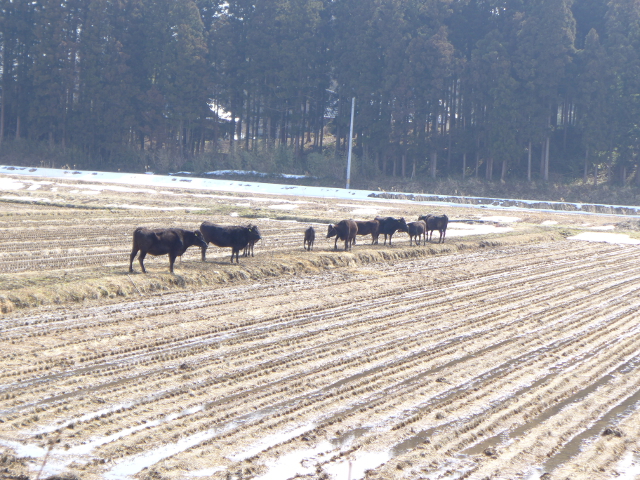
{"x": 175, "y": 241}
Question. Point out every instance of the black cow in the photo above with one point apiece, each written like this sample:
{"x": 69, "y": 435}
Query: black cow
{"x": 344, "y": 230}
{"x": 389, "y": 226}
{"x": 368, "y": 227}
{"x": 254, "y": 236}
{"x": 309, "y": 238}
{"x": 436, "y": 222}
{"x": 417, "y": 229}
{"x": 163, "y": 241}
{"x": 235, "y": 236}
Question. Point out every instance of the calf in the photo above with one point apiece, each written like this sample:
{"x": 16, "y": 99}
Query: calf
{"x": 235, "y": 236}
{"x": 163, "y": 241}
{"x": 254, "y": 236}
{"x": 369, "y": 227}
{"x": 389, "y": 226}
{"x": 309, "y": 238}
{"x": 344, "y": 230}
{"x": 417, "y": 229}
{"x": 436, "y": 222}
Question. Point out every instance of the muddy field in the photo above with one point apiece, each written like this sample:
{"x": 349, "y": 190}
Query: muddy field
{"x": 509, "y": 352}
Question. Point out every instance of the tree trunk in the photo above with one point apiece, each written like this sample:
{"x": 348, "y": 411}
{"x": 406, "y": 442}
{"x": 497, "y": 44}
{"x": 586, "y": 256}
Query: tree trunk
{"x": 464, "y": 165}
{"x": 546, "y": 160}
{"x": 2, "y": 117}
{"x": 434, "y": 164}
{"x": 586, "y": 164}
{"x": 404, "y": 165}
{"x": 477, "y": 156}
{"x": 503, "y": 173}
{"x": 529, "y": 163}
{"x": 595, "y": 175}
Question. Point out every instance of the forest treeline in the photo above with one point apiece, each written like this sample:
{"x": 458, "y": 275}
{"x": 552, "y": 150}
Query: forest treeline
{"x": 496, "y": 89}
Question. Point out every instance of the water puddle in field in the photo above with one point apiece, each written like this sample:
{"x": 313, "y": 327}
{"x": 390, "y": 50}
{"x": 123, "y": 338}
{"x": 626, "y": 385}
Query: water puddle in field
{"x": 615, "y": 238}
{"x": 347, "y": 438}
{"x": 356, "y": 464}
{"x": 467, "y": 229}
{"x": 572, "y": 448}
{"x": 612, "y": 418}
{"x": 297, "y": 463}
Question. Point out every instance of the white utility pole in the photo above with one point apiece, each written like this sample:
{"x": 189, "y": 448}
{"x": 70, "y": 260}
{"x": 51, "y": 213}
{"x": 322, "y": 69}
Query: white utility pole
{"x": 353, "y": 107}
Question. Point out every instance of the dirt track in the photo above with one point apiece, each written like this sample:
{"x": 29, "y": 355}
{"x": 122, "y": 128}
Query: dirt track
{"x": 497, "y": 362}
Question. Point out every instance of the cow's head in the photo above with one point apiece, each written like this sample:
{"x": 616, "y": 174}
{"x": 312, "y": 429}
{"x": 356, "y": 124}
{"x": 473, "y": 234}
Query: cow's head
{"x": 331, "y": 232}
{"x": 199, "y": 239}
{"x": 403, "y": 225}
{"x": 254, "y": 233}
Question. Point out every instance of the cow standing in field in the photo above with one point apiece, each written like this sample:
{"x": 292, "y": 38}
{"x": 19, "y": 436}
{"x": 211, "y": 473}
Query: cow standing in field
{"x": 309, "y": 238}
{"x": 436, "y": 222}
{"x": 235, "y": 236}
{"x": 163, "y": 241}
{"x": 369, "y": 227}
{"x": 417, "y": 229}
{"x": 389, "y": 226}
{"x": 344, "y": 230}
{"x": 254, "y": 236}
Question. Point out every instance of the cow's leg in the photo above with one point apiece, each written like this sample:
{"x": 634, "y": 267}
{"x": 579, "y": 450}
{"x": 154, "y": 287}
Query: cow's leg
{"x": 172, "y": 259}
{"x": 141, "y": 260}
{"x": 134, "y": 252}
{"x": 204, "y": 253}
{"x": 335, "y": 245}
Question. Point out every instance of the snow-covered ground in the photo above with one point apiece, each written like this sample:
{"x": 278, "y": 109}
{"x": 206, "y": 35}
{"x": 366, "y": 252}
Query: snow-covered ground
{"x": 132, "y": 182}
{"x": 208, "y": 184}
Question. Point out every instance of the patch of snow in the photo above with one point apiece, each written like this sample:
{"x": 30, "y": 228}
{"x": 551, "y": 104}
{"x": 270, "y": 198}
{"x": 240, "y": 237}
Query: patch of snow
{"x": 549, "y": 222}
{"x": 500, "y": 219}
{"x": 296, "y": 463}
{"x": 29, "y": 451}
{"x": 357, "y": 465}
{"x": 271, "y": 441}
{"x": 628, "y": 467}
{"x": 616, "y": 238}
{"x": 465, "y": 230}
{"x": 10, "y": 184}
